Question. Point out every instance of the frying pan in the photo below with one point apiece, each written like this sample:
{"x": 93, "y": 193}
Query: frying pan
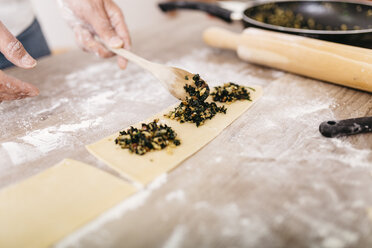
{"x": 350, "y": 22}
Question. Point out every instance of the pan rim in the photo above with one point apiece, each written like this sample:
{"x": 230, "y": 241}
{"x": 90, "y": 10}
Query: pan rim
{"x": 247, "y": 19}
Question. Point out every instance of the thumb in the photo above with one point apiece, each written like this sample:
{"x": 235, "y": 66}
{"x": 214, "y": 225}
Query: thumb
{"x": 13, "y": 50}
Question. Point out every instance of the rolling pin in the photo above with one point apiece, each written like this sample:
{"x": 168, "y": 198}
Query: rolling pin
{"x": 332, "y": 62}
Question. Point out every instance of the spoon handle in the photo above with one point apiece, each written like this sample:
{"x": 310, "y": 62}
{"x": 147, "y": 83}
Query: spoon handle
{"x": 333, "y": 129}
{"x": 134, "y": 58}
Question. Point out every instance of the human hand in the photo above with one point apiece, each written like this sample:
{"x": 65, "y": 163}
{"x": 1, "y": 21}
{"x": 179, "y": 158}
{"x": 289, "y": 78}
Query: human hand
{"x": 102, "y": 18}
{"x": 12, "y": 88}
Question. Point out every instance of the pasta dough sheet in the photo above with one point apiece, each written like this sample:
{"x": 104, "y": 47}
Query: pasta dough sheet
{"x": 44, "y": 208}
{"x": 144, "y": 169}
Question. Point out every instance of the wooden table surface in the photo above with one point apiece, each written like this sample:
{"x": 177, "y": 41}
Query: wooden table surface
{"x": 269, "y": 180}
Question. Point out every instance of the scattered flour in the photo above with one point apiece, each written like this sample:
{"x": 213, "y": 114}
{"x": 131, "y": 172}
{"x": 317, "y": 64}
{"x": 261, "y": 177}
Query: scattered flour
{"x": 53, "y": 107}
{"x": 176, "y": 238}
{"x": 352, "y": 156}
{"x": 38, "y": 143}
{"x": 44, "y": 140}
{"x": 178, "y": 195}
{"x": 332, "y": 242}
{"x": 118, "y": 211}
{"x": 20, "y": 153}
{"x": 77, "y": 126}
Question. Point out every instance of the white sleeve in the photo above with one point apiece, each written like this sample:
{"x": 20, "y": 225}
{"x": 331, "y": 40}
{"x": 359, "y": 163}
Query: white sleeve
{"x": 16, "y": 15}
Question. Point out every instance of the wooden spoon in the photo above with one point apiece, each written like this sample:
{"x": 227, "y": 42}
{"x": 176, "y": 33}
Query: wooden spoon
{"x": 172, "y": 78}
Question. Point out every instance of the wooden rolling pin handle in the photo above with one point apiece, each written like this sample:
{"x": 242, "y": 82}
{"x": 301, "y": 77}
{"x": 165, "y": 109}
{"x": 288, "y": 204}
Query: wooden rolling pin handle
{"x": 221, "y": 38}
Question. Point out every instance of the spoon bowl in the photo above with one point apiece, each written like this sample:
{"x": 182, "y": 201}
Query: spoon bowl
{"x": 172, "y": 78}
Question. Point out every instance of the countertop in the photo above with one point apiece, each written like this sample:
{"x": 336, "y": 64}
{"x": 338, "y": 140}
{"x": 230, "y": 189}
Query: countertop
{"x": 269, "y": 180}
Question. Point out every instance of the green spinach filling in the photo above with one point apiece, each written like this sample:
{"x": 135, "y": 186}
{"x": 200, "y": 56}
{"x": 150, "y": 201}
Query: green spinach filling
{"x": 231, "y": 92}
{"x": 151, "y": 136}
{"x": 194, "y": 108}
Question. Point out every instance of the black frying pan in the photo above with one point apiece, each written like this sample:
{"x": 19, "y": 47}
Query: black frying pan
{"x": 338, "y": 21}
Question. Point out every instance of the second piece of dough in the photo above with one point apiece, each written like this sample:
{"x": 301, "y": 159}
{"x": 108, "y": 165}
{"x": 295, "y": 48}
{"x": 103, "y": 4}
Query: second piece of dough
{"x": 44, "y": 208}
{"x": 144, "y": 169}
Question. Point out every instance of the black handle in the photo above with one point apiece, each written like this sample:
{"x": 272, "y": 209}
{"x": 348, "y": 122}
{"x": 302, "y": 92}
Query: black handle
{"x": 333, "y": 129}
{"x": 212, "y": 9}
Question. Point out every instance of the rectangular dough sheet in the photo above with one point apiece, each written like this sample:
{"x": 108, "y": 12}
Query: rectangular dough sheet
{"x": 144, "y": 169}
{"x": 44, "y": 208}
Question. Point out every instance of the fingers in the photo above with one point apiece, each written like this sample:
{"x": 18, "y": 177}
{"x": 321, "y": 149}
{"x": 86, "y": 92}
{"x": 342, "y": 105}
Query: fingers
{"x": 101, "y": 24}
{"x": 13, "y": 50}
{"x": 122, "y": 62}
{"x": 87, "y": 42}
{"x": 12, "y": 88}
{"x": 118, "y": 23}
